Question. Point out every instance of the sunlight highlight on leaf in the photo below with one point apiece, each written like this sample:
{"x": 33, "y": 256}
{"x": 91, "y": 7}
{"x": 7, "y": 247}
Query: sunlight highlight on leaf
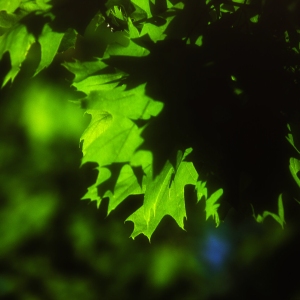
{"x": 164, "y": 196}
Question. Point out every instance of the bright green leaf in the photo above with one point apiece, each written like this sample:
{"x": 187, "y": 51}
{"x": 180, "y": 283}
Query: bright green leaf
{"x": 92, "y": 193}
{"x": 112, "y": 136}
{"x": 156, "y": 33}
{"x": 49, "y": 41}
{"x": 132, "y": 49}
{"x": 44, "y": 4}
{"x": 134, "y": 103}
{"x": 17, "y": 42}
{"x": 201, "y": 190}
{"x": 105, "y": 83}
{"x": 211, "y": 207}
{"x": 116, "y": 144}
{"x": 126, "y": 185}
{"x": 82, "y": 70}
{"x": 164, "y": 196}
{"x": 101, "y": 121}
{"x": 9, "y": 5}
{"x": 254, "y": 19}
{"x": 117, "y": 12}
{"x": 35, "y": 5}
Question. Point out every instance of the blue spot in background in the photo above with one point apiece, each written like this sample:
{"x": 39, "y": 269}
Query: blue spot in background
{"x": 216, "y": 250}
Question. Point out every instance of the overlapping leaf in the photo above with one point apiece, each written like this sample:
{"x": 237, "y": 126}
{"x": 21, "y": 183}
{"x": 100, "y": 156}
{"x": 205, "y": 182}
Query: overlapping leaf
{"x": 17, "y": 42}
{"x": 113, "y": 136}
{"x": 112, "y": 140}
{"x": 17, "y": 39}
{"x": 119, "y": 103}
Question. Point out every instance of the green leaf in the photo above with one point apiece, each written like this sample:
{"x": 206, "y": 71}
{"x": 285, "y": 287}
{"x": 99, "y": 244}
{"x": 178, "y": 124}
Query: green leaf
{"x": 278, "y": 218}
{"x": 132, "y": 49}
{"x": 117, "y": 13}
{"x": 133, "y": 103}
{"x": 211, "y": 207}
{"x": 112, "y": 136}
{"x": 254, "y": 19}
{"x": 155, "y": 33}
{"x": 7, "y": 20}
{"x": 290, "y": 138}
{"x": 117, "y": 143}
{"x": 201, "y": 190}
{"x": 35, "y": 5}
{"x": 101, "y": 120}
{"x": 105, "y": 83}
{"x": 144, "y": 5}
{"x": 44, "y": 4}
{"x": 9, "y": 5}
{"x": 92, "y": 193}
{"x": 198, "y": 42}
{"x": 126, "y": 185}
{"x": 82, "y": 70}
{"x": 49, "y": 41}
{"x": 294, "y": 168}
{"x": 17, "y": 42}
{"x": 164, "y": 196}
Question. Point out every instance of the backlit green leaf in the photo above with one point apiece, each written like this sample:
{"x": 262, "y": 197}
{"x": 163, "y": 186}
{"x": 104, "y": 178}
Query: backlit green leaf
{"x": 49, "y": 41}
{"x": 9, "y": 5}
{"x": 211, "y": 207}
{"x": 17, "y": 42}
{"x": 82, "y": 70}
{"x": 144, "y": 5}
{"x": 164, "y": 196}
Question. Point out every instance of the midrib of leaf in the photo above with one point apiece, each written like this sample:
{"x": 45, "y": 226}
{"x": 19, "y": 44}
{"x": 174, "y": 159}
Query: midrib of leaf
{"x": 125, "y": 140}
{"x": 160, "y": 193}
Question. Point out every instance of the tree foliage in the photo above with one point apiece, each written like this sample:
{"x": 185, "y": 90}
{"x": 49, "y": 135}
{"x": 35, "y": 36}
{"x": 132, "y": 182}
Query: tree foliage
{"x": 191, "y": 92}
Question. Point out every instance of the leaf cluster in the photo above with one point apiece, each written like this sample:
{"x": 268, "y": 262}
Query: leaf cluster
{"x": 179, "y": 93}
